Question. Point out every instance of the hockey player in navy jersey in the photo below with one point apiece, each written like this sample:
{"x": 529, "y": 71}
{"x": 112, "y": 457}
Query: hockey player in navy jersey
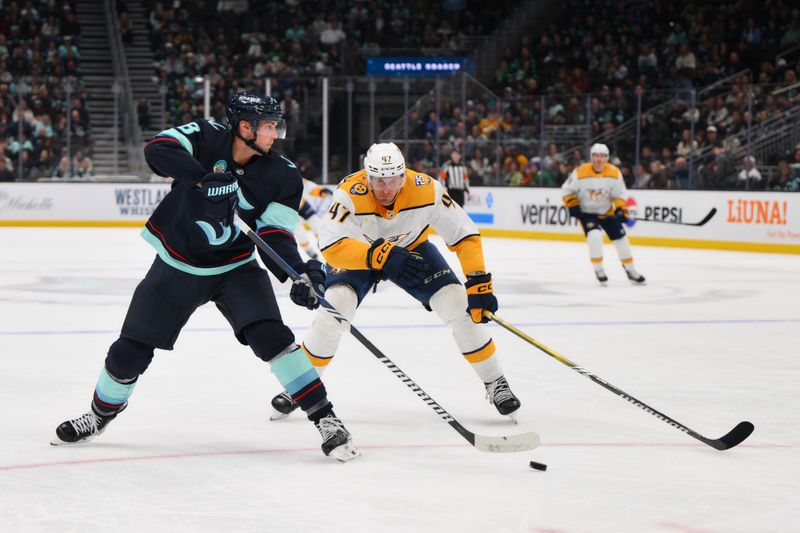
{"x": 202, "y": 256}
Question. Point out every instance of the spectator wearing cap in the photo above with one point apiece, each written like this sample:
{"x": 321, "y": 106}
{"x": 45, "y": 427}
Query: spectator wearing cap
{"x": 712, "y": 136}
{"x": 749, "y": 177}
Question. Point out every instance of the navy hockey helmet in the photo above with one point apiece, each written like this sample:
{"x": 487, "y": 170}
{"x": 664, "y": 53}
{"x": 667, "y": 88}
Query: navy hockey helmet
{"x": 253, "y": 108}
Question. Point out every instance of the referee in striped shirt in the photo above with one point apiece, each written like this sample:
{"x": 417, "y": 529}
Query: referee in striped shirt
{"x": 455, "y": 176}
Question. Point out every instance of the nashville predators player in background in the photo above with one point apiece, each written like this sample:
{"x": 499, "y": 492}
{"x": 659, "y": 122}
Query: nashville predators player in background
{"x": 315, "y": 201}
{"x": 376, "y": 229}
{"x": 595, "y": 194}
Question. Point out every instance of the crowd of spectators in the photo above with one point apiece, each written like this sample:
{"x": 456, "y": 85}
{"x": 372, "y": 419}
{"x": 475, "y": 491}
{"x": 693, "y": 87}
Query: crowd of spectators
{"x": 586, "y": 72}
{"x": 39, "y": 55}
{"x": 237, "y": 44}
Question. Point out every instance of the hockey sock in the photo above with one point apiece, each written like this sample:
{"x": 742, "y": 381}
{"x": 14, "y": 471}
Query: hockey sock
{"x": 111, "y": 394}
{"x": 472, "y": 339}
{"x": 484, "y": 363}
{"x": 326, "y": 331}
{"x": 299, "y": 378}
{"x": 320, "y": 363}
{"x": 624, "y": 252}
{"x": 595, "y": 241}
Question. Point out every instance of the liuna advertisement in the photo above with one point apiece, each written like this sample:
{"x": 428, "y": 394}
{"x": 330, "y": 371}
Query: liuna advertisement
{"x": 735, "y": 220}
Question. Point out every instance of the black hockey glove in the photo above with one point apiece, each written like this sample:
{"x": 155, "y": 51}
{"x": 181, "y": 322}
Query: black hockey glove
{"x": 301, "y": 292}
{"x": 575, "y": 211}
{"x": 480, "y": 296}
{"x": 621, "y": 214}
{"x": 219, "y": 189}
{"x": 398, "y": 263}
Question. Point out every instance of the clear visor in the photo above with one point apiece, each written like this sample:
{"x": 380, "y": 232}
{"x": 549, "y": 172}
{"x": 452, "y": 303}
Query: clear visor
{"x": 280, "y": 128}
{"x": 279, "y": 125}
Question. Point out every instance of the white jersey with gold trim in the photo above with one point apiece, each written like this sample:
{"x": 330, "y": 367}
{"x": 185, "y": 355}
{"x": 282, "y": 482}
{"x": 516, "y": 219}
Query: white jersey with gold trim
{"x": 356, "y": 219}
{"x": 599, "y": 193}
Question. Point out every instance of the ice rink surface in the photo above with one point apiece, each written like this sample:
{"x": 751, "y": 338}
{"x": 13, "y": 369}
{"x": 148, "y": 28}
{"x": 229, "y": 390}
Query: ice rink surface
{"x": 711, "y": 340}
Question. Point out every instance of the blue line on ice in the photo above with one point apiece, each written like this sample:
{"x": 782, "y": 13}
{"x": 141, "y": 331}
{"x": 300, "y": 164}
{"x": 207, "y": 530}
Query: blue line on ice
{"x": 438, "y": 325}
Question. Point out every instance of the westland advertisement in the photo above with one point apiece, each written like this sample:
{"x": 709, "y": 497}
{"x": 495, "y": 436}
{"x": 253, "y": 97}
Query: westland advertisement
{"x": 138, "y": 201}
{"x": 77, "y": 204}
{"x": 733, "y": 220}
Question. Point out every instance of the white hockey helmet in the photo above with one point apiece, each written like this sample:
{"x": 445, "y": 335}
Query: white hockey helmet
{"x": 384, "y": 160}
{"x": 599, "y": 148}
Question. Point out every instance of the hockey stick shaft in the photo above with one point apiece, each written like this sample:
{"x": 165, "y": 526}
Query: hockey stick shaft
{"x": 513, "y": 443}
{"x": 731, "y": 439}
{"x": 705, "y": 219}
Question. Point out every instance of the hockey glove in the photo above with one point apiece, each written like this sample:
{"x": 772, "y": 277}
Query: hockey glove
{"x": 219, "y": 189}
{"x": 575, "y": 211}
{"x": 480, "y": 296}
{"x": 301, "y": 292}
{"x": 398, "y": 263}
{"x": 621, "y": 214}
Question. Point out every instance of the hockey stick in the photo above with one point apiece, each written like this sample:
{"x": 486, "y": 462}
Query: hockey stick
{"x": 510, "y": 443}
{"x": 706, "y": 218}
{"x": 731, "y": 439}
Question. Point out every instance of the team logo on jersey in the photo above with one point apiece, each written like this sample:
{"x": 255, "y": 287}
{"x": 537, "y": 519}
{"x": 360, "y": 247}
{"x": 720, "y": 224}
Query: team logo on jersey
{"x": 393, "y": 239}
{"x": 421, "y": 180}
{"x": 220, "y": 166}
{"x": 358, "y": 189}
{"x": 598, "y": 195}
{"x": 211, "y": 233}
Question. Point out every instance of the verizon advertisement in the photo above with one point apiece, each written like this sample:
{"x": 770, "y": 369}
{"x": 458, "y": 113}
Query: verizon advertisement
{"x": 714, "y": 219}
{"x": 706, "y": 219}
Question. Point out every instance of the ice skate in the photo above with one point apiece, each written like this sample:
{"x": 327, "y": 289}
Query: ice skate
{"x": 81, "y": 429}
{"x": 634, "y": 276}
{"x": 499, "y": 394}
{"x": 282, "y": 406}
{"x": 336, "y": 440}
{"x": 601, "y": 275}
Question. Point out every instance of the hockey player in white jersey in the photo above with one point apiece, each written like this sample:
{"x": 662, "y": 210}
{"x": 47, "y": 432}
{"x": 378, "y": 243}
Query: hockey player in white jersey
{"x": 377, "y": 229}
{"x": 595, "y": 194}
{"x": 316, "y": 199}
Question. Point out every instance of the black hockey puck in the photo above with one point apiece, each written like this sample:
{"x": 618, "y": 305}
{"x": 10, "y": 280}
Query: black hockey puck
{"x": 538, "y": 466}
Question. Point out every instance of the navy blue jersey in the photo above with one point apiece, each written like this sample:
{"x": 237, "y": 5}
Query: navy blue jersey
{"x": 270, "y": 189}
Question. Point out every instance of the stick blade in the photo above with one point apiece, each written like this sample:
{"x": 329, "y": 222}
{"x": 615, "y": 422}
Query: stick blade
{"x": 708, "y": 217}
{"x": 511, "y": 443}
{"x": 733, "y": 437}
